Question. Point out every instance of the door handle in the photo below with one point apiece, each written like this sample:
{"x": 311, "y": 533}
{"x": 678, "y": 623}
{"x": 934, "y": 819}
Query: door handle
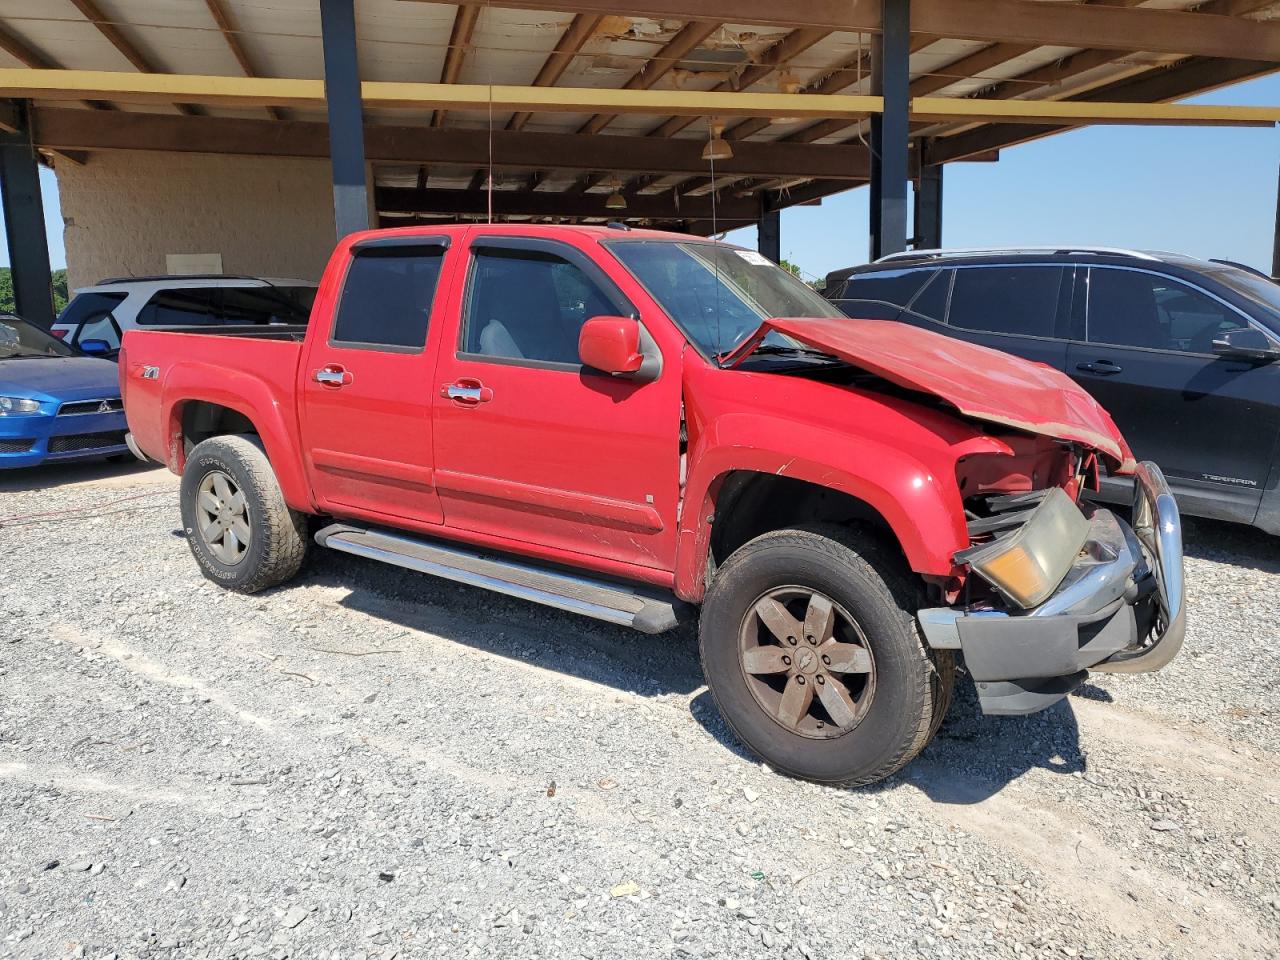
{"x": 332, "y": 375}
{"x": 1103, "y": 368}
{"x": 467, "y": 392}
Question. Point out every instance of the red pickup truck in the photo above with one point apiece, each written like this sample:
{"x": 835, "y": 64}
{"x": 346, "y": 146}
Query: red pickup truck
{"x": 629, "y": 424}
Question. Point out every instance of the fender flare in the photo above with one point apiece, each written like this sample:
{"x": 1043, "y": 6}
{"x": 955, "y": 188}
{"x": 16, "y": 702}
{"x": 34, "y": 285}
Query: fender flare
{"x": 193, "y": 382}
{"x": 921, "y": 508}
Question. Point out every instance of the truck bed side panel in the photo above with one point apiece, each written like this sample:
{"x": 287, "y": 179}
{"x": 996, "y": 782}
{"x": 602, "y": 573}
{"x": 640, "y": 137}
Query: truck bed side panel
{"x": 162, "y": 372}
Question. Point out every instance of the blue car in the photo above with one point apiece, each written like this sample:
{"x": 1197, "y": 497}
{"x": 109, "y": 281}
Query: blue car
{"x": 55, "y": 404}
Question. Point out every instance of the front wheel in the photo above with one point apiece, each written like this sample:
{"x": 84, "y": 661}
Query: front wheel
{"x": 240, "y": 530}
{"x": 811, "y": 651}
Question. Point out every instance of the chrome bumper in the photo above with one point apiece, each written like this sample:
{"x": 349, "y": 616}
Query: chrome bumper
{"x": 1120, "y": 609}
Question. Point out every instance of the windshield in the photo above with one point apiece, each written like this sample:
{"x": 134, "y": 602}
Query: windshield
{"x": 718, "y": 294}
{"x": 20, "y": 339}
{"x": 1265, "y": 293}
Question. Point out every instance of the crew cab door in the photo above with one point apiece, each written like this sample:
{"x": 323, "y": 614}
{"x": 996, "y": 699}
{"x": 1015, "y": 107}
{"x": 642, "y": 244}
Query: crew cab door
{"x": 365, "y": 384}
{"x": 1146, "y": 354}
{"x": 533, "y": 448}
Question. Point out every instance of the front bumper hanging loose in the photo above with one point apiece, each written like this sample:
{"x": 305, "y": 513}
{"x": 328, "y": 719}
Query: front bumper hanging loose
{"x": 1119, "y": 609}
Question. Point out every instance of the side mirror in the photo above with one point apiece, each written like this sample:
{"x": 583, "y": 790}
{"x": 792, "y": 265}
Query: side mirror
{"x": 611, "y": 345}
{"x": 1246, "y": 343}
{"x": 94, "y": 347}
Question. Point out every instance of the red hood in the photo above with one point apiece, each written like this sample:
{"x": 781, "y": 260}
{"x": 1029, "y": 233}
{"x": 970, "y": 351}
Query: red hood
{"x": 981, "y": 383}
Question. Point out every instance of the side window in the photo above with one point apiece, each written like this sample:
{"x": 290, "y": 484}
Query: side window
{"x": 1132, "y": 309}
{"x": 180, "y": 308}
{"x": 889, "y": 286}
{"x": 931, "y": 302}
{"x": 1014, "y": 300}
{"x": 257, "y": 306}
{"x": 528, "y": 305}
{"x": 102, "y": 327}
{"x": 387, "y": 296}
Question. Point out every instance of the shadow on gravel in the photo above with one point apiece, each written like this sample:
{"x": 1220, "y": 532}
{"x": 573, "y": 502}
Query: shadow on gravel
{"x": 48, "y": 476}
{"x": 503, "y": 626}
{"x": 974, "y": 757}
{"x": 1231, "y": 543}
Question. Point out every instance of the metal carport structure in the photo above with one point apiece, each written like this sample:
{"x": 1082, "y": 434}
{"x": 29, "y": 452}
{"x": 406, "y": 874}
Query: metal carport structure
{"x": 592, "y": 110}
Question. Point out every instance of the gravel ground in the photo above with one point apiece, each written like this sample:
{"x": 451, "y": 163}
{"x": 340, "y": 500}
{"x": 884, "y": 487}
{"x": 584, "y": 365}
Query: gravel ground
{"x": 370, "y": 763}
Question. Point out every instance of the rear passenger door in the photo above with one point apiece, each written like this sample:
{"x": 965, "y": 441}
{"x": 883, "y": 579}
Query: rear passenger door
{"x": 1018, "y": 308}
{"x": 365, "y": 385}
{"x": 1211, "y": 423}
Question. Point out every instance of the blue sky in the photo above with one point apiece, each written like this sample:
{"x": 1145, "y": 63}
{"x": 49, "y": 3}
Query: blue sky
{"x": 1206, "y": 191}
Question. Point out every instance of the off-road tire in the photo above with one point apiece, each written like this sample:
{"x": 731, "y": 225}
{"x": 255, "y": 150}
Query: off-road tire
{"x": 912, "y": 683}
{"x": 278, "y": 541}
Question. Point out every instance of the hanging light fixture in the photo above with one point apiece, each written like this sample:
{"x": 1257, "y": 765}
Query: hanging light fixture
{"x": 615, "y": 200}
{"x": 717, "y": 147}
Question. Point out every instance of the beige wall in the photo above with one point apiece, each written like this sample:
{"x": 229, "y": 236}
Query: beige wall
{"x": 125, "y": 210}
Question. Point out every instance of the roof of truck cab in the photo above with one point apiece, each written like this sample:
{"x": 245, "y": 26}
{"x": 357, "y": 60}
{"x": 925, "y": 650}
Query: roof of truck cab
{"x": 550, "y": 231}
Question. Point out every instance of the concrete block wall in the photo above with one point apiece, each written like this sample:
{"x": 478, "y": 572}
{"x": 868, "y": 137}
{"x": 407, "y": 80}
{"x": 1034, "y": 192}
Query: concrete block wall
{"x": 124, "y": 211}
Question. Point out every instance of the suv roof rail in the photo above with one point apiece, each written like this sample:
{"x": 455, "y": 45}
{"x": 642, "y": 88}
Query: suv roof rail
{"x": 938, "y": 253}
{"x": 159, "y": 278}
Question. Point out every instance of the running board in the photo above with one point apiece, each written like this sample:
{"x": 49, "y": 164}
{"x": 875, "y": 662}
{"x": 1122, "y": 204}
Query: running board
{"x": 614, "y": 602}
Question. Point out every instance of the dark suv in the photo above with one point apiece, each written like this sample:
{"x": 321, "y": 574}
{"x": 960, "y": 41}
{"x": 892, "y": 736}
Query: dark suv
{"x": 1182, "y": 352}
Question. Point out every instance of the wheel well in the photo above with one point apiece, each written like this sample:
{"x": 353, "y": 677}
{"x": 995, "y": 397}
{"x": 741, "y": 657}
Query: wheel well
{"x": 751, "y": 503}
{"x": 202, "y": 420}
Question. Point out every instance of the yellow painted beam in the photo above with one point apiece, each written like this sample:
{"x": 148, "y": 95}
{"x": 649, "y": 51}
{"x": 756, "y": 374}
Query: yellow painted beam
{"x": 1090, "y": 112}
{"x": 270, "y": 91}
{"x": 265, "y": 91}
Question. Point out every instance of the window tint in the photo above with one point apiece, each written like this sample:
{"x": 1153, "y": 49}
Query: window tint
{"x": 386, "y": 296}
{"x": 1016, "y": 300}
{"x": 180, "y": 308}
{"x": 891, "y": 286}
{"x": 529, "y": 305}
{"x": 931, "y": 302}
{"x": 102, "y": 327}
{"x": 1135, "y": 309}
{"x": 90, "y": 306}
{"x": 265, "y": 305}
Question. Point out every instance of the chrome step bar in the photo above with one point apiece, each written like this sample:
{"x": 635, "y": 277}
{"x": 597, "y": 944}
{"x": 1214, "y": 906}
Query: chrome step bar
{"x": 615, "y": 602}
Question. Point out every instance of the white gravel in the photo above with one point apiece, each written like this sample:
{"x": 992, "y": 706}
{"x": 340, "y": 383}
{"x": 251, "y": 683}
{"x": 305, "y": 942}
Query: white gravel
{"x": 370, "y": 763}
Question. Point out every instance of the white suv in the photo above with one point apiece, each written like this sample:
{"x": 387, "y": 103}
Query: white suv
{"x": 98, "y": 316}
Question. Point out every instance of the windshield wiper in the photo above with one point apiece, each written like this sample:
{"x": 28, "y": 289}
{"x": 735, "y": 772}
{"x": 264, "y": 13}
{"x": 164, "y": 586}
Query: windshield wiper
{"x": 783, "y": 350}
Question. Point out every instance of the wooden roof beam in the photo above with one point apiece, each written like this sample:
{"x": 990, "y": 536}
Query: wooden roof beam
{"x": 571, "y": 42}
{"x": 464, "y": 27}
{"x": 231, "y": 33}
{"x": 994, "y": 21}
{"x": 689, "y": 37}
{"x": 90, "y": 10}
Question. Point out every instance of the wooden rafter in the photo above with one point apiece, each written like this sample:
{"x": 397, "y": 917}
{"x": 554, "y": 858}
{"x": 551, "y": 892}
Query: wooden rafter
{"x": 231, "y": 33}
{"x": 464, "y": 27}
{"x": 29, "y": 55}
{"x": 1013, "y": 21}
{"x": 579, "y": 31}
{"x": 686, "y": 40}
{"x": 90, "y": 10}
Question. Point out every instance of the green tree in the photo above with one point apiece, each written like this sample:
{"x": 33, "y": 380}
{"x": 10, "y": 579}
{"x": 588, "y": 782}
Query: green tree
{"x": 59, "y": 280}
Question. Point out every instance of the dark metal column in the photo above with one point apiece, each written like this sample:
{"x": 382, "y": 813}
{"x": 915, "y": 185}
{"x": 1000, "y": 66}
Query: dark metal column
{"x": 1275, "y": 244}
{"x": 891, "y": 79}
{"x": 769, "y": 231}
{"x": 24, "y": 229}
{"x": 928, "y": 209}
{"x": 346, "y": 118}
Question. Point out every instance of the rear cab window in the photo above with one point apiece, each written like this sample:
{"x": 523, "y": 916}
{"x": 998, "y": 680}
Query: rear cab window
{"x": 387, "y": 297}
{"x": 226, "y": 305}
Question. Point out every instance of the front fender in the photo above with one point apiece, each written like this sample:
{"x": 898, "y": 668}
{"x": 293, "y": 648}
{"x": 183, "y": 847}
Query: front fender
{"x": 919, "y": 501}
{"x": 272, "y": 415}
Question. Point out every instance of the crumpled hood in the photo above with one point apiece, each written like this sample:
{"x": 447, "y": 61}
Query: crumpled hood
{"x": 981, "y": 383}
{"x": 59, "y": 378}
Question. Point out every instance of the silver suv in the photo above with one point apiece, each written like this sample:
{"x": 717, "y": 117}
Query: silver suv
{"x": 98, "y": 316}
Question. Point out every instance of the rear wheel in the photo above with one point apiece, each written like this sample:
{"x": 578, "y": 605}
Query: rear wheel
{"x": 811, "y": 650}
{"x": 240, "y": 530}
